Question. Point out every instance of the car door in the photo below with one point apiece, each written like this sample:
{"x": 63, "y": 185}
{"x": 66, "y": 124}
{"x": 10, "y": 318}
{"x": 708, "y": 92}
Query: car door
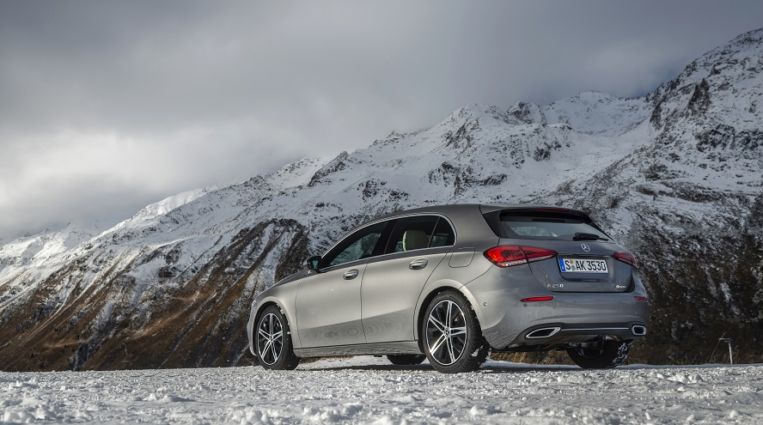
{"x": 392, "y": 283}
{"x": 328, "y": 303}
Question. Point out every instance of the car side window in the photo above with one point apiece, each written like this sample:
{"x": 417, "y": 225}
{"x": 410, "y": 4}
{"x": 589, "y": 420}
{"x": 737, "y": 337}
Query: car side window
{"x": 411, "y": 233}
{"x": 443, "y": 234}
{"x": 359, "y": 245}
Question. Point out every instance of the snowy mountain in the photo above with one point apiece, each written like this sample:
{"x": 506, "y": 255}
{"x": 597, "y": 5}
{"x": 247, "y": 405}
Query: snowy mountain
{"x": 676, "y": 175}
{"x": 30, "y": 258}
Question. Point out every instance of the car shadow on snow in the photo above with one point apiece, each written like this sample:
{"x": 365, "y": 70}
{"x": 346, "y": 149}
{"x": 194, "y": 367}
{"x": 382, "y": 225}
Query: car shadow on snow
{"x": 490, "y": 367}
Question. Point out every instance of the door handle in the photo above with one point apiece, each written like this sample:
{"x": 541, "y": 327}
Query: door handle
{"x": 350, "y": 274}
{"x": 418, "y": 264}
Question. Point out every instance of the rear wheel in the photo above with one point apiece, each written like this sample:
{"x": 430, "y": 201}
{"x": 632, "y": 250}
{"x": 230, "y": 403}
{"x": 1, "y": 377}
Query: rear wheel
{"x": 406, "y": 359}
{"x": 604, "y": 355}
{"x": 273, "y": 341}
{"x": 452, "y": 339}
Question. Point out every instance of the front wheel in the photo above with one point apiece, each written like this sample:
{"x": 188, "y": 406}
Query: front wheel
{"x": 604, "y": 355}
{"x": 273, "y": 341}
{"x": 452, "y": 338}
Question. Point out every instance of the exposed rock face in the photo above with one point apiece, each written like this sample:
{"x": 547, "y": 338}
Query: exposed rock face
{"x": 700, "y": 99}
{"x": 117, "y": 322}
{"x": 675, "y": 175}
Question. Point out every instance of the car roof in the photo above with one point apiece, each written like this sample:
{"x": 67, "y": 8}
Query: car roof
{"x": 445, "y": 209}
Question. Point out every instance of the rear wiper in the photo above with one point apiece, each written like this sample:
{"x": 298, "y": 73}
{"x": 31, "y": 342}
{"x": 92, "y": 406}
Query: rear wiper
{"x": 587, "y": 237}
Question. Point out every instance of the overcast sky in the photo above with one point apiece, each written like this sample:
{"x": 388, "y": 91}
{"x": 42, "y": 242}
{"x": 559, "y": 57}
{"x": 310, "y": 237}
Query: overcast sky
{"x": 107, "y": 106}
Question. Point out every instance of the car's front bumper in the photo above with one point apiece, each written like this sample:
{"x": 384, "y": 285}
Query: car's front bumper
{"x": 250, "y": 328}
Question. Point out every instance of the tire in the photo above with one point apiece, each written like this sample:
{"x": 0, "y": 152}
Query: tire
{"x": 272, "y": 341}
{"x": 406, "y": 359}
{"x": 607, "y": 355}
{"x": 460, "y": 352}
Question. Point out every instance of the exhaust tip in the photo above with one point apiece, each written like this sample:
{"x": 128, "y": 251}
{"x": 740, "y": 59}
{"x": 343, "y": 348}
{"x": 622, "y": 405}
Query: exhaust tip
{"x": 543, "y": 333}
{"x": 638, "y": 330}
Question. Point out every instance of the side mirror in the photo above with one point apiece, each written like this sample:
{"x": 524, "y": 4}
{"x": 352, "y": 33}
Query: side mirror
{"x": 313, "y": 263}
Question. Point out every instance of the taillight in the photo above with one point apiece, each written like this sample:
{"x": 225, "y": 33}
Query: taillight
{"x": 514, "y": 255}
{"x": 627, "y": 258}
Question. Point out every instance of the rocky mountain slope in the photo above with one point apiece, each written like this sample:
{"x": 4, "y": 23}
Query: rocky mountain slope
{"x": 675, "y": 175}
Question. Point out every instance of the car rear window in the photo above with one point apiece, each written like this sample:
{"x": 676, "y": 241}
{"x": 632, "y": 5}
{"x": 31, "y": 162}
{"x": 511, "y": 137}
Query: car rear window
{"x": 545, "y": 225}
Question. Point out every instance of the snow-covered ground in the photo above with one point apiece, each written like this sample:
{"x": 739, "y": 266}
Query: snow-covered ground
{"x": 369, "y": 390}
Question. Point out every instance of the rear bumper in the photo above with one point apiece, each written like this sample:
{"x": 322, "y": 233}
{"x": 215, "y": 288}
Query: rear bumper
{"x": 578, "y": 317}
{"x": 551, "y": 334}
{"x": 505, "y": 320}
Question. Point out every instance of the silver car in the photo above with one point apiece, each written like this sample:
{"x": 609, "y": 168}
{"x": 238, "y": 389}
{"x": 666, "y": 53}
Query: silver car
{"x": 452, "y": 283}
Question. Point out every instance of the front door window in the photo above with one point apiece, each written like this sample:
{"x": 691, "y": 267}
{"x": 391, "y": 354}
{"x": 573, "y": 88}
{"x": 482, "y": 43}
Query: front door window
{"x": 362, "y": 244}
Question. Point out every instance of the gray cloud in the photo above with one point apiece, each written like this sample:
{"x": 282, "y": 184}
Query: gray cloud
{"x": 106, "y": 106}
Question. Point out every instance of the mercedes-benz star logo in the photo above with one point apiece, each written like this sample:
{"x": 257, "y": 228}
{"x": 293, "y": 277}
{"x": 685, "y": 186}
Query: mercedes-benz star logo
{"x": 585, "y": 247}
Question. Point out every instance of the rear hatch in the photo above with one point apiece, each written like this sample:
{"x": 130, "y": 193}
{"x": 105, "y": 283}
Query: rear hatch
{"x": 585, "y": 256}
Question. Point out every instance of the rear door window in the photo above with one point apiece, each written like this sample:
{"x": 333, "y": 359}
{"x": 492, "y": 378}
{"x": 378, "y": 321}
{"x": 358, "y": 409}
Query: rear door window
{"x": 443, "y": 234}
{"x": 419, "y": 232}
{"x": 549, "y": 226}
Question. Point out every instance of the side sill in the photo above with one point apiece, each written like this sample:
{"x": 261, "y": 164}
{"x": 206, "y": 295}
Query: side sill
{"x": 399, "y": 347}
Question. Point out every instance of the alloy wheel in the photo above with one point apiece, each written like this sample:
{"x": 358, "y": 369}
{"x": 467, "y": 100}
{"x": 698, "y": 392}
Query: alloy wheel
{"x": 446, "y": 332}
{"x": 269, "y": 339}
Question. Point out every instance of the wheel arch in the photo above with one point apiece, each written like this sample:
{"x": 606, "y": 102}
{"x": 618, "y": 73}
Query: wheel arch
{"x": 257, "y": 312}
{"x": 427, "y": 297}
{"x": 262, "y": 307}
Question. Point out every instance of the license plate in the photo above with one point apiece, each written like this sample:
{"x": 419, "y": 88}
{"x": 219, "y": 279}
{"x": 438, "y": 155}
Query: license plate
{"x": 582, "y": 265}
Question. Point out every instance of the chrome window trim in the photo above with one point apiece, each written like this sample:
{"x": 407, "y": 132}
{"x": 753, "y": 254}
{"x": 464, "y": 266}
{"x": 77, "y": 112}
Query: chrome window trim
{"x": 413, "y": 253}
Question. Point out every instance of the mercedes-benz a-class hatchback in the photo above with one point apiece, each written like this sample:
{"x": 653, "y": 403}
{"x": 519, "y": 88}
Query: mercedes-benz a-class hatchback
{"x": 452, "y": 283}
